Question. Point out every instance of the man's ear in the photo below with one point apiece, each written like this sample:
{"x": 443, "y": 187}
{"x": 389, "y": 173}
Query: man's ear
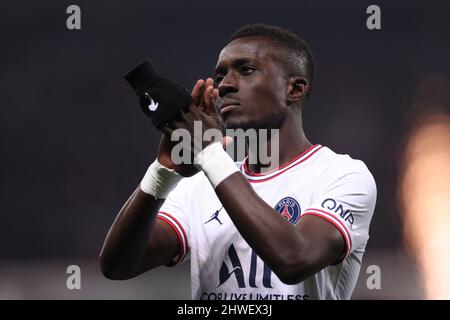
{"x": 296, "y": 89}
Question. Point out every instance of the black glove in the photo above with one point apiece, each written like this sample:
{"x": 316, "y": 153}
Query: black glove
{"x": 160, "y": 98}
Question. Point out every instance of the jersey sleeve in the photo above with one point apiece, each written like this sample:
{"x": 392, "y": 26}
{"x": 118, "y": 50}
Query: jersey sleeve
{"x": 174, "y": 212}
{"x": 345, "y": 196}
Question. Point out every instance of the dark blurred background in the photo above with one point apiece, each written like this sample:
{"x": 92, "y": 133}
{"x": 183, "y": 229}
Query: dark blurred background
{"x": 74, "y": 143}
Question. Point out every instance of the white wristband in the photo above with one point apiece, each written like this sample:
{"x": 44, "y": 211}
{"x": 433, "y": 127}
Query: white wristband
{"x": 215, "y": 163}
{"x": 158, "y": 181}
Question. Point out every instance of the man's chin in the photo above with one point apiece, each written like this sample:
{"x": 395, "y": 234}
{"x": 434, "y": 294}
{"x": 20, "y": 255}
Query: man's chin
{"x": 237, "y": 125}
{"x": 233, "y": 123}
{"x": 244, "y": 125}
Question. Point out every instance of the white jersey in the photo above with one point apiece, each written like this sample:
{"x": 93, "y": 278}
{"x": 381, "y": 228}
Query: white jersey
{"x": 318, "y": 182}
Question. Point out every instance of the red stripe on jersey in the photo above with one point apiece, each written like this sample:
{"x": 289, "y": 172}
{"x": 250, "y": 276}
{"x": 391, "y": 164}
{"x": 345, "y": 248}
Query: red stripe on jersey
{"x": 247, "y": 171}
{"x": 342, "y": 230}
{"x": 346, "y": 240}
{"x": 183, "y": 252}
{"x": 283, "y": 171}
{"x": 332, "y": 215}
{"x": 180, "y": 240}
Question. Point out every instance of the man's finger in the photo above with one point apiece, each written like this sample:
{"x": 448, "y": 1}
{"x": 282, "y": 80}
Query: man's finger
{"x": 210, "y": 100}
{"x": 216, "y": 95}
{"x": 198, "y": 91}
{"x": 208, "y": 83}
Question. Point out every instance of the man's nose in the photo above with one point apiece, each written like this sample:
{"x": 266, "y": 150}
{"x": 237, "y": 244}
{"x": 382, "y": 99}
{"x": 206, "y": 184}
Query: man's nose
{"x": 227, "y": 85}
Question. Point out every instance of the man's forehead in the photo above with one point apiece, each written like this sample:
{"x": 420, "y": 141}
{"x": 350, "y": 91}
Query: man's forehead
{"x": 245, "y": 48}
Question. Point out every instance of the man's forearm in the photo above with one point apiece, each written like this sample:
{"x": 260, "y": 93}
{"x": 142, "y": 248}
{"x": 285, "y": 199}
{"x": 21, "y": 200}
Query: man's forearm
{"x": 127, "y": 239}
{"x": 264, "y": 230}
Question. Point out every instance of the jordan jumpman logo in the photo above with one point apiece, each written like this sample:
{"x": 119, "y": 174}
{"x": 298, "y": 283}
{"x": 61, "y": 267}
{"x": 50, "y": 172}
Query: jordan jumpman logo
{"x": 215, "y": 216}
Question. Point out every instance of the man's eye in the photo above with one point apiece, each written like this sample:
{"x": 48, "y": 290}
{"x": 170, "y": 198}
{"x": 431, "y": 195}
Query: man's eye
{"x": 247, "y": 70}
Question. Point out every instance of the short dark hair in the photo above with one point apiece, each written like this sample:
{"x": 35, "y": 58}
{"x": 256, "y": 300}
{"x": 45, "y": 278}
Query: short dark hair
{"x": 295, "y": 52}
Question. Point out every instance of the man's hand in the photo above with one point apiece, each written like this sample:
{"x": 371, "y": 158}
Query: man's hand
{"x": 204, "y": 96}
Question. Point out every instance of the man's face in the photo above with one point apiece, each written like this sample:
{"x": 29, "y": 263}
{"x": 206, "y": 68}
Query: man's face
{"x": 252, "y": 85}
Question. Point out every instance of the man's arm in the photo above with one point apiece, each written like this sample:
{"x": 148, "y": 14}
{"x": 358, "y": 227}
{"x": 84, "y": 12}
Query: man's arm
{"x": 294, "y": 252}
{"x": 137, "y": 241}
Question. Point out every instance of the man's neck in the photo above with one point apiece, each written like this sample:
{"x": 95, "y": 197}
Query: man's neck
{"x": 282, "y": 147}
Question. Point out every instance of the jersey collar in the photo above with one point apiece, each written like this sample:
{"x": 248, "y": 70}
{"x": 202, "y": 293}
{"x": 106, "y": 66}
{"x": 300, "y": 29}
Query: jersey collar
{"x": 261, "y": 177}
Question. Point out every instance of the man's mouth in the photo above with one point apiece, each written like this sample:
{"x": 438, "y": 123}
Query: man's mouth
{"x": 228, "y": 106}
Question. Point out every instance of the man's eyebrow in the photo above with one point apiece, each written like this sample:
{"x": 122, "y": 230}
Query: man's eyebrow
{"x": 234, "y": 63}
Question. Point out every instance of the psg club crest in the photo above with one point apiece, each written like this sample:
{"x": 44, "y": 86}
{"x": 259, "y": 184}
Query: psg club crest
{"x": 289, "y": 209}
